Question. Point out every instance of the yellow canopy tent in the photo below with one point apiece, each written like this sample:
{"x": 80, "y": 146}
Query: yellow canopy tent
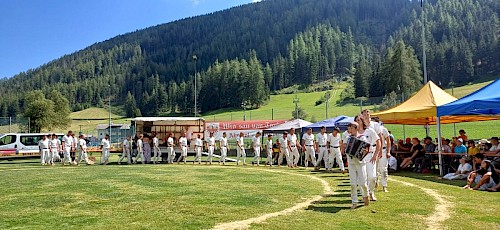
{"x": 421, "y": 109}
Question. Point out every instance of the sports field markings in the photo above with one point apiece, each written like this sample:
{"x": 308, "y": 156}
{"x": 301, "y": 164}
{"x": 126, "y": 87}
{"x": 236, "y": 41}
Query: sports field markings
{"x": 441, "y": 211}
{"x": 245, "y": 224}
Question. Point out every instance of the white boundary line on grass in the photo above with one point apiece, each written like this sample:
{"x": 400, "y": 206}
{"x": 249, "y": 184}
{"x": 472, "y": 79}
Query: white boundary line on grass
{"x": 245, "y": 224}
{"x": 441, "y": 210}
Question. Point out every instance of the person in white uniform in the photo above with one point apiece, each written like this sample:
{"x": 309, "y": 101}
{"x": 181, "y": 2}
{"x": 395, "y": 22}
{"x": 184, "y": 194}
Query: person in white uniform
{"x": 383, "y": 158}
{"x": 82, "y": 150}
{"x": 156, "y": 150}
{"x": 284, "y": 150}
{"x": 44, "y": 146}
{"x": 269, "y": 150}
{"x": 183, "y": 144}
{"x": 257, "y": 146}
{"x": 140, "y": 150}
{"x": 371, "y": 158}
{"x": 67, "y": 143}
{"x": 198, "y": 147}
{"x": 333, "y": 143}
{"x": 308, "y": 143}
{"x": 105, "y": 146}
{"x": 240, "y": 152}
{"x": 321, "y": 148}
{"x": 74, "y": 149}
{"x": 378, "y": 130}
{"x": 293, "y": 142}
{"x": 224, "y": 147}
{"x": 211, "y": 148}
{"x": 170, "y": 149}
{"x": 127, "y": 149}
{"x": 357, "y": 168}
{"x": 55, "y": 146}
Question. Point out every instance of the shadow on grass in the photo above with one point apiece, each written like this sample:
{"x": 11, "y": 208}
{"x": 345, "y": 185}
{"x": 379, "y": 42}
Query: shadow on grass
{"x": 431, "y": 177}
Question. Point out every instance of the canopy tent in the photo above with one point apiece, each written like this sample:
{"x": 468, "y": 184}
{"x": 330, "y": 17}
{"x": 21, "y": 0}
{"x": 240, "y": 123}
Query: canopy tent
{"x": 421, "y": 109}
{"x": 485, "y": 101}
{"x": 328, "y": 123}
{"x": 342, "y": 124}
{"x": 293, "y": 124}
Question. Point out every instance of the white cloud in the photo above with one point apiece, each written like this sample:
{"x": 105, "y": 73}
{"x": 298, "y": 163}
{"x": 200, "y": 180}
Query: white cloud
{"x": 255, "y": 1}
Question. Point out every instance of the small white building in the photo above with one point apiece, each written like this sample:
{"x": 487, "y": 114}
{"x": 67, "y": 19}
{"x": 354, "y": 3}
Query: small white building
{"x": 118, "y": 131}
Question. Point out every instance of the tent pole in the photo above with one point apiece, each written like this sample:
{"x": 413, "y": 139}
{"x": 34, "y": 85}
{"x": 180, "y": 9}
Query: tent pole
{"x": 440, "y": 146}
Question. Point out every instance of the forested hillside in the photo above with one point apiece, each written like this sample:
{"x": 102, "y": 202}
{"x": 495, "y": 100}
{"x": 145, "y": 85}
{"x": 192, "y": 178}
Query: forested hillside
{"x": 246, "y": 52}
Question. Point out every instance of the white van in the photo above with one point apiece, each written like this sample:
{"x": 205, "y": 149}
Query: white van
{"x": 21, "y": 145}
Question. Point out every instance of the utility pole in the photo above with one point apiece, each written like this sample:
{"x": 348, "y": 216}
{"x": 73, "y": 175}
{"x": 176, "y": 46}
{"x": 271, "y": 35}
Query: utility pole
{"x": 244, "y": 106}
{"x": 296, "y": 101}
{"x": 109, "y": 107}
{"x": 424, "y": 56}
{"x": 195, "y": 58}
{"x": 327, "y": 95}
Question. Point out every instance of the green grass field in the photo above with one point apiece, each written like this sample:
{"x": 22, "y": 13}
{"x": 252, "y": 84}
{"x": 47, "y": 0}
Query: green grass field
{"x": 93, "y": 113}
{"x": 201, "y": 197}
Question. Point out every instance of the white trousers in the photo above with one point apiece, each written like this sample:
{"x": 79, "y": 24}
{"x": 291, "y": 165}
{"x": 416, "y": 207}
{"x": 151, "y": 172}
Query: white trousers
{"x": 357, "y": 177}
{"x": 240, "y": 152}
{"x": 294, "y": 155}
{"x": 382, "y": 170}
{"x": 310, "y": 154}
{"x": 223, "y": 154}
{"x": 256, "y": 157}
{"x": 82, "y": 153}
{"x": 140, "y": 155}
{"x": 453, "y": 176}
{"x": 322, "y": 155}
{"x": 269, "y": 157}
{"x": 335, "y": 154}
{"x": 126, "y": 153}
{"x": 197, "y": 158}
{"x": 184, "y": 153}
{"x": 44, "y": 155}
{"x": 211, "y": 150}
{"x": 105, "y": 155}
{"x": 371, "y": 173}
{"x": 156, "y": 154}
{"x": 171, "y": 155}
{"x": 286, "y": 153}
{"x": 53, "y": 155}
{"x": 67, "y": 155}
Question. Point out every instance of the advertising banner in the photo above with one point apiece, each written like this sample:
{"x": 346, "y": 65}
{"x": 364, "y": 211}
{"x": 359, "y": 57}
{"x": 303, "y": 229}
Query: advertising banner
{"x": 234, "y": 128}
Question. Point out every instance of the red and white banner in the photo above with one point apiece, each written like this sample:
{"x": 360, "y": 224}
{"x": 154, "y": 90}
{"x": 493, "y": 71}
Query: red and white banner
{"x": 234, "y": 128}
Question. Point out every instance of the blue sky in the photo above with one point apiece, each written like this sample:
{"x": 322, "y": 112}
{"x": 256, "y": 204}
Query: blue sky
{"x": 34, "y": 32}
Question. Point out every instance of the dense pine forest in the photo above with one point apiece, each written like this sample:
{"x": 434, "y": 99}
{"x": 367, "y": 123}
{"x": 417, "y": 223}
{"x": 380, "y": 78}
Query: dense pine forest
{"x": 247, "y": 52}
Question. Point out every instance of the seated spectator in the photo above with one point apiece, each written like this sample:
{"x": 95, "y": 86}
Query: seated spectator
{"x": 477, "y": 160}
{"x": 417, "y": 151}
{"x": 482, "y": 145}
{"x": 446, "y": 145}
{"x": 408, "y": 144}
{"x": 494, "y": 146}
{"x": 428, "y": 145}
{"x": 453, "y": 144}
{"x": 460, "y": 147}
{"x": 462, "y": 172}
{"x": 463, "y": 136}
{"x": 402, "y": 147}
{"x": 472, "y": 150}
{"x": 484, "y": 178}
{"x": 393, "y": 164}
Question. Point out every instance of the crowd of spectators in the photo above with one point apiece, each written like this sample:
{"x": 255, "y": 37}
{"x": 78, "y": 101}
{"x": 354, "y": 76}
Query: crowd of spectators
{"x": 463, "y": 158}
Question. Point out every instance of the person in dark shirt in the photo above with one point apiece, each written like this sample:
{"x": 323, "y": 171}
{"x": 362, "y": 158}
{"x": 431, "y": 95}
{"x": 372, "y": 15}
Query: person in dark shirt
{"x": 417, "y": 151}
{"x": 420, "y": 162}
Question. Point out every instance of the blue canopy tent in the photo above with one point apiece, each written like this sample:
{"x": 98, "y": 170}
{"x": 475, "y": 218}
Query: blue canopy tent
{"x": 342, "y": 124}
{"x": 483, "y": 102}
{"x": 328, "y": 123}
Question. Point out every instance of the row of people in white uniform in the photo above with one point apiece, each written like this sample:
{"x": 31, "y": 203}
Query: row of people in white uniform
{"x": 50, "y": 146}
